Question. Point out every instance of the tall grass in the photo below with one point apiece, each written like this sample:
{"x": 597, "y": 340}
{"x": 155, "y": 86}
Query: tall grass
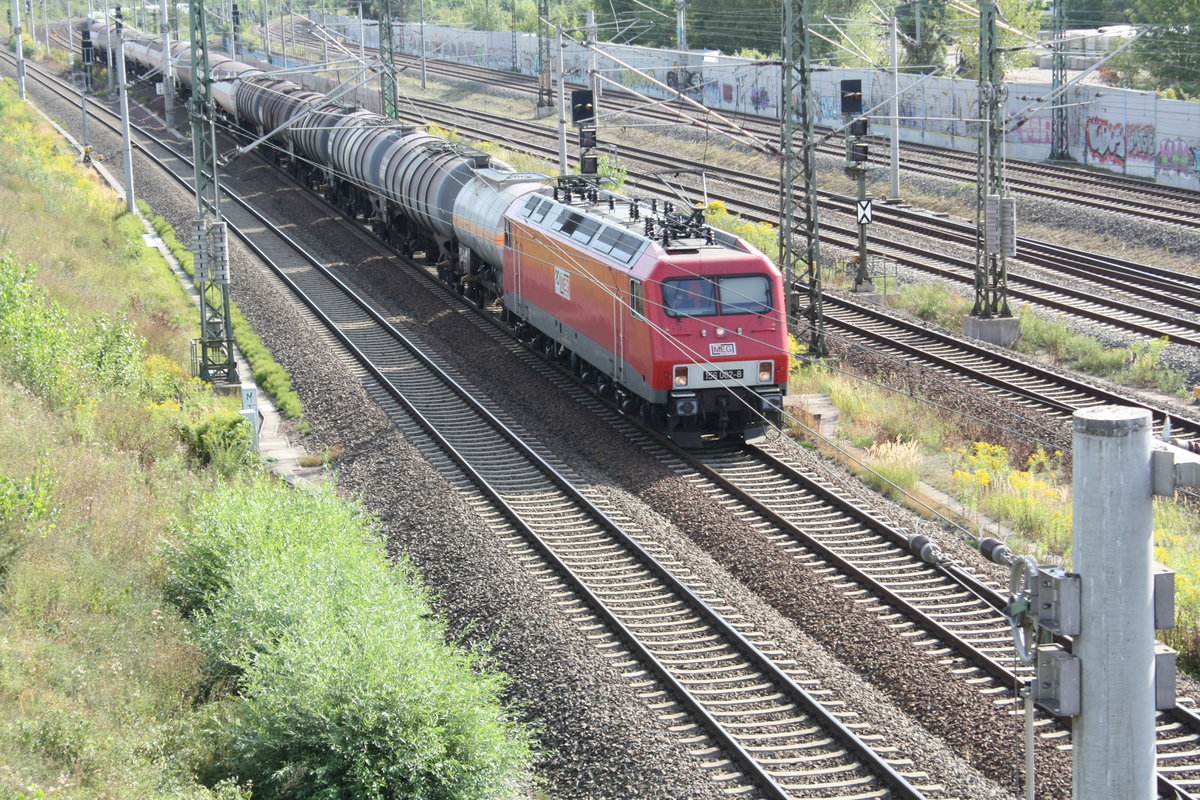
{"x": 105, "y": 445}
{"x": 328, "y": 667}
{"x": 871, "y": 415}
{"x": 1177, "y": 546}
{"x": 762, "y": 235}
{"x": 1139, "y": 364}
{"x": 934, "y": 302}
{"x": 1034, "y": 501}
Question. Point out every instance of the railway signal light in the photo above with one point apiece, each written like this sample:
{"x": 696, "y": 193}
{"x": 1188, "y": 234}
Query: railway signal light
{"x": 852, "y": 96}
{"x": 858, "y": 127}
{"x": 858, "y": 153}
{"x": 583, "y": 106}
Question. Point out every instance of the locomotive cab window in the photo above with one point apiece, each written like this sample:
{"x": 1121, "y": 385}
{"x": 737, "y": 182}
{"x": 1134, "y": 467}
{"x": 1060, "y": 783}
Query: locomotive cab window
{"x": 706, "y": 297}
{"x": 745, "y": 294}
{"x": 689, "y": 297}
{"x": 637, "y": 300}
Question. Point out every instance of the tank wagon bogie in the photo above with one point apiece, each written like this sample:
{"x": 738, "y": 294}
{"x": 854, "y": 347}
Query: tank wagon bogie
{"x": 679, "y": 324}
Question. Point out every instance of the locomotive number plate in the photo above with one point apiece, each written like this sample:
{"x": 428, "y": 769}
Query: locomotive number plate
{"x": 723, "y": 349}
{"x": 723, "y": 375}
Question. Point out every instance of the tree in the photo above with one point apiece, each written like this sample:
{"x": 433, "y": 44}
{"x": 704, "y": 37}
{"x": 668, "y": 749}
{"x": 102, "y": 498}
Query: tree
{"x": 1016, "y": 52}
{"x": 924, "y": 39}
{"x": 1168, "y": 57}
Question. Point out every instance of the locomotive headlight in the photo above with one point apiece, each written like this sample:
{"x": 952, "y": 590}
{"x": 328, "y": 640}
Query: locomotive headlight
{"x": 721, "y": 332}
{"x": 681, "y": 376}
{"x": 766, "y": 372}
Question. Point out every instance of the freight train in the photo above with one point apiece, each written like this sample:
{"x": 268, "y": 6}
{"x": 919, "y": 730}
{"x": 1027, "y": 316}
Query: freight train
{"x": 679, "y": 324}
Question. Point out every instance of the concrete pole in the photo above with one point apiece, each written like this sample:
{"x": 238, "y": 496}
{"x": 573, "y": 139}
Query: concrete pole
{"x": 681, "y": 25}
{"x": 266, "y": 21}
{"x": 108, "y": 51}
{"x": 362, "y": 34}
{"x": 20, "y": 48}
{"x": 895, "y": 193}
{"x": 593, "y": 78}
{"x": 46, "y": 27}
{"x": 126, "y": 140}
{"x": 1113, "y": 736}
{"x": 423, "y": 44}
{"x": 168, "y": 68}
{"x": 562, "y": 106}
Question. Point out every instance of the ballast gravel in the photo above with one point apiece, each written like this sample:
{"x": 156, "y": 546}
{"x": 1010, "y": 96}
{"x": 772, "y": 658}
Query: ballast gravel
{"x": 599, "y": 739}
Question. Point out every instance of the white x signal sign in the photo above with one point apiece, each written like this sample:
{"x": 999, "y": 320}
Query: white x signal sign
{"x": 864, "y": 212}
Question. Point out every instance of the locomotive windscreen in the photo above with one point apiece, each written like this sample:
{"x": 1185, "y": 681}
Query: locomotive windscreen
{"x": 702, "y": 297}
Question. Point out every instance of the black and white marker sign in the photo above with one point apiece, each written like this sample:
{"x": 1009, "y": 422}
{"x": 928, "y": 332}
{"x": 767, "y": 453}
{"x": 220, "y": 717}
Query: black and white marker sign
{"x": 864, "y": 212}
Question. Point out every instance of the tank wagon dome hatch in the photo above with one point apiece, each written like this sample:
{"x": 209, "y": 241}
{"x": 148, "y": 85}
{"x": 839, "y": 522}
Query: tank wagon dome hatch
{"x": 498, "y": 177}
{"x": 474, "y": 158}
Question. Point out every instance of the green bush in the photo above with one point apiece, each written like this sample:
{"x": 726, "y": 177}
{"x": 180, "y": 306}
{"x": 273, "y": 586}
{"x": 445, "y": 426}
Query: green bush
{"x": 342, "y": 684}
{"x": 223, "y": 439}
{"x": 28, "y": 47}
{"x": 23, "y": 503}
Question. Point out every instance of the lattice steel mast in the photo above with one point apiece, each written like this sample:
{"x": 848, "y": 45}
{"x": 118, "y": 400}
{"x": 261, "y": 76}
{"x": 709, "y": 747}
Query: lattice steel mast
{"x": 797, "y": 108}
{"x": 545, "y": 100}
{"x": 388, "y": 89}
{"x": 991, "y": 271}
{"x": 210, "y": 246}
{"x": 1059, "y": 150}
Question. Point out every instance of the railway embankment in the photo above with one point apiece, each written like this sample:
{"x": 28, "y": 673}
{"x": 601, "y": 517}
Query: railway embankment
{"x": 108, "y": 450}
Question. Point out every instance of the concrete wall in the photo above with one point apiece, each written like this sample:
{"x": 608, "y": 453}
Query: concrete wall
{"x": 1127, "y": 132}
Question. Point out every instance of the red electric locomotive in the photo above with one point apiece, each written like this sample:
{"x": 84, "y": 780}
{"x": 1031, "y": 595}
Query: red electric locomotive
{"x": 680, "y": 323}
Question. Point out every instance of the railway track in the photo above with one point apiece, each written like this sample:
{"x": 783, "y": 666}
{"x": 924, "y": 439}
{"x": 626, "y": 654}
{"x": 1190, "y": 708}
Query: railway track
{"x": 1156, "y": 303}
{"x": 759, "y": 728}
{"x": 868, "y": 556}
{"x": 1101, "y": 191}
{"x": 1024, "y": 382}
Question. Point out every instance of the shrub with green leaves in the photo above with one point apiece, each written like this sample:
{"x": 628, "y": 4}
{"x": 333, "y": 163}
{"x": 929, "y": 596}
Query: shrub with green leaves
{"x": 329, "y": 674}
{"x": 222, "y": 439}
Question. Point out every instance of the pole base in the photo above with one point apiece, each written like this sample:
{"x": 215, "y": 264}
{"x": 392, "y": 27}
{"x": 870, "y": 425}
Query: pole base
{"x": 1000, "y": 331}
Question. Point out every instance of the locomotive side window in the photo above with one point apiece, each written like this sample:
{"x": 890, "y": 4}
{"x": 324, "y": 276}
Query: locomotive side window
{"x": 542, "y": 210}
{"x": 625, "y": 247}
{"x": 637, "y": 300}
{"x": 605, "y": 241}
{"x": 586, "y": 230}
{"x": 689, "y": 297}
{"x": 745, "y": 294}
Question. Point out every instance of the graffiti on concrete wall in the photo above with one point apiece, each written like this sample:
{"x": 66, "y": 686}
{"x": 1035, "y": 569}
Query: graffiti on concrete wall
{"x": 686, "y": 81}
{"x": 1139, "y": 142}
{"x": 760, "y": 99}
{"x": 1035, "y": 130}
{"x": 1105, "y": 141}
{"x": 1178, "y": 157}
{"x": 830, "y": 108}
